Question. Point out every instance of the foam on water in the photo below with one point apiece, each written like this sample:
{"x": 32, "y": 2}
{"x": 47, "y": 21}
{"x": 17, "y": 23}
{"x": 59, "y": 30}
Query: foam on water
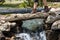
{"x": 26, "y": 36}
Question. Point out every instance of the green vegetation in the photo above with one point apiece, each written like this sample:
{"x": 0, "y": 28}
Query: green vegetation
{"x": 2, "y": 1}
{"x": 8, "y": 5}
{"x": 25, "y": 4}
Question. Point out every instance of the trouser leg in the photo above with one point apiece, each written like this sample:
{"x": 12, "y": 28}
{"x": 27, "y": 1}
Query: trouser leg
{"x": 45, "y": 2}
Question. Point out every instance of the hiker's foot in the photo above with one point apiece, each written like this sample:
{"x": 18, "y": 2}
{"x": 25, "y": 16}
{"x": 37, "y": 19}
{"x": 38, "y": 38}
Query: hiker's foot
{"x": 34, "y": 11}
{"x": 46, "y": 9}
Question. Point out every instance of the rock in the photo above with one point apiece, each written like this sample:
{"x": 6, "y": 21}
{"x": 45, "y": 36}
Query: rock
{"x": 53, "y": 17}
{"x": 33, "y": 24}
{"x": 56, "y": 25}
{"x": 55, "y": 9}
{"x": 50, "y": 19}
{"x": 52, "y": 35}
{"x": 6, "y": 26}
{"x": 52, "y": 9}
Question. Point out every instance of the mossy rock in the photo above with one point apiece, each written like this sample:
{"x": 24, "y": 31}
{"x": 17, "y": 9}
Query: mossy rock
{"x": 33, "y": 24}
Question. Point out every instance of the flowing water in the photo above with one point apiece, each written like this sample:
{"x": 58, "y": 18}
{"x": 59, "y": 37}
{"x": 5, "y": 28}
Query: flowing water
{"x": 34, "y": 36}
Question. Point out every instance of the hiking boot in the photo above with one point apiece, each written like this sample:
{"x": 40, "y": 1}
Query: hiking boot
{"x": 46, "y": 9}
{"x": 34, "y": 11}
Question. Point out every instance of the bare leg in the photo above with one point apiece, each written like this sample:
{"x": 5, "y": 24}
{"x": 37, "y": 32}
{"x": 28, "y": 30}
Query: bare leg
{"x": 46, "y": 9}
{"x": 45, "y": 2}
{"x": 35, "y": 6}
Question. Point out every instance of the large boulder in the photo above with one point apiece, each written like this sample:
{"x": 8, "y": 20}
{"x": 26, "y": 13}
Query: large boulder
{"x": 55, "y": 9}
{"x": 56, "y": 25}
{"x": 50, "y": 19}
{"x": 33, "y": 24}
{"x": 53, "y": 17}
{"x": 5, "y": 26}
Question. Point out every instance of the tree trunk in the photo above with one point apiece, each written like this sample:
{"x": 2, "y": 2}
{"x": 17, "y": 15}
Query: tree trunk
{"x": 26, "y": 16}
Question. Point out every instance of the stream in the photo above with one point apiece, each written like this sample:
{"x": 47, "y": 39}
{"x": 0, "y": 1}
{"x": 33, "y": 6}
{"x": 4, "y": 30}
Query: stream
{"x": 35, "y": 36}
{"x": 32, "y": 30}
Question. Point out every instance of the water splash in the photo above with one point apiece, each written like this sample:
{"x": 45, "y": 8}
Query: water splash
{"x": 42, "y": 35}
{"x": 23, "y": 36}
{"x": 26, "y": 36}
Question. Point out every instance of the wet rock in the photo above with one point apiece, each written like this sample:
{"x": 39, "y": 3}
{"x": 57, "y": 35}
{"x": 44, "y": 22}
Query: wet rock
{"x": 33, "y": 24}
{"x": 56, "y": 25}
{"x": 53, "y": 17}
{"x": 52, "y": 35}
{"x": 50, "y": 19}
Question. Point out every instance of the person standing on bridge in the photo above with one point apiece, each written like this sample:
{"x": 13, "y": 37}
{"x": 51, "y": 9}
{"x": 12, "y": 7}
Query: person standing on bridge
{"x": 46, "y": 9}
